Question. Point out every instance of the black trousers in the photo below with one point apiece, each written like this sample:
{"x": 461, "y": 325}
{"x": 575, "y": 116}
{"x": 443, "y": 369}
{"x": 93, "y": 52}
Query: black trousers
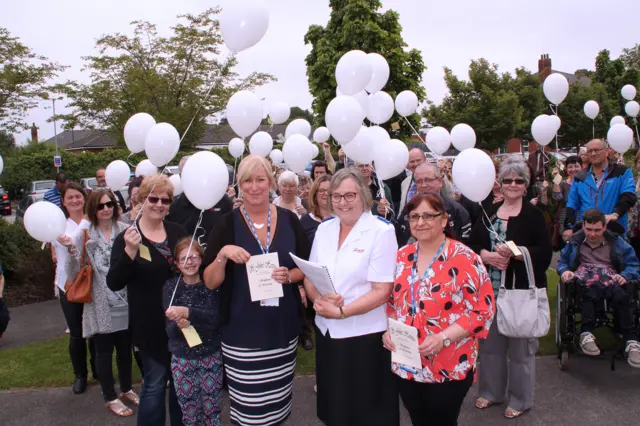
{"x": 436, "y": 404}
{"x": 105, "y": 344}
{"x": 4, "y": 316}
{"x": 308, "y": 318}
{"x": 620, "y": 300}
{"x": 77, "y": 344}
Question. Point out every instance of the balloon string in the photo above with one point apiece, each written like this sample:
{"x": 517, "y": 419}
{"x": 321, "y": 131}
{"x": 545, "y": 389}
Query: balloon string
{"x": 635, "y": 120}
{"x": 415, "y": 132}
{"x": 556, "y": 114}
{"x": 235, "y": 172}
{"x": 594, "y": 128}
{"x": 126, "y": 160}
{"x": 490, "y": 228}
{"x": 187, "y": 258}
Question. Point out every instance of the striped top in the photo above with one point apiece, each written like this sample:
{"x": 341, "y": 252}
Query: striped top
{"x": 53, "y": 196}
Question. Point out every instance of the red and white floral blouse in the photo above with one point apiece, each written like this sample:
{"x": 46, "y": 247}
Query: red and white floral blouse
{"x": 456, "y": 290}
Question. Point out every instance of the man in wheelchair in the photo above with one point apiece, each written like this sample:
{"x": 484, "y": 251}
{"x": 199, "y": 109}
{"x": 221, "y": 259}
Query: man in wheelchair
{"x": 601, "y": 262}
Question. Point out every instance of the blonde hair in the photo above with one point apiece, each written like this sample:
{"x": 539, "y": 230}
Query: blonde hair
{"x": 157, "y": 183}
{"x": 363, "y": 189}
{"x": 250, "y": 165}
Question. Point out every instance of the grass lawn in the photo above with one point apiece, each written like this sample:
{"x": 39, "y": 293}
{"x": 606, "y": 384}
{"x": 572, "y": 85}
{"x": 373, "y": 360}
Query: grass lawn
{"x": 47, "y": 363}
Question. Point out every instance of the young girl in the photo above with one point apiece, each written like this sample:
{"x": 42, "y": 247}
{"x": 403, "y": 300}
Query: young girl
{"x": 197, "y": 370}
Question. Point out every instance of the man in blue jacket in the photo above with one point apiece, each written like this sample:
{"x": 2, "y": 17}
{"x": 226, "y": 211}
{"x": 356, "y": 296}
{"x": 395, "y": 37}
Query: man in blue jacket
{"x": 601, "y": 263}
{"x": 605, "y": 186}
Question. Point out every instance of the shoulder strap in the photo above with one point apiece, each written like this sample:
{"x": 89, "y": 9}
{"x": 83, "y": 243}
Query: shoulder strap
{"x": 84, "y": 246}
{"x": 526, "y": 257}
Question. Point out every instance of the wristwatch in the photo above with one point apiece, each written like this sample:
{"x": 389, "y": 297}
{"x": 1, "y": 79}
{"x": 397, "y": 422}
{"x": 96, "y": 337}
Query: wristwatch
{"x": 342, "y": 316}
{"x": 445, "y": 340}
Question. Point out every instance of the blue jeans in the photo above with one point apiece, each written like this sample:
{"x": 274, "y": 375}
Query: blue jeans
{"x": 152, "y": 410}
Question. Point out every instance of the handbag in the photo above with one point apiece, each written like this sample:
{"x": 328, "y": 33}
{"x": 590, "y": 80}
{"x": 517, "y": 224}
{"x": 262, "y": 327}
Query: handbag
{"x": 79, "y": 290}
{"x": 523, "y": 313}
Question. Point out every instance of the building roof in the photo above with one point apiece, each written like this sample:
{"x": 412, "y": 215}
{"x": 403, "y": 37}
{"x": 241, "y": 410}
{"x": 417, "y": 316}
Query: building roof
{"x": 583, "y": 80}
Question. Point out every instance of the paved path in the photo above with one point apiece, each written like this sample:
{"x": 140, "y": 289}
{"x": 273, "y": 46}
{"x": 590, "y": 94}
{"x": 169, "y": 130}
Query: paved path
{"x": 34, "y": 323}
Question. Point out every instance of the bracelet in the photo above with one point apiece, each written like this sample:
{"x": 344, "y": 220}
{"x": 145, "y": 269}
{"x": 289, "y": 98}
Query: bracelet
{"x": 342, "y": 315}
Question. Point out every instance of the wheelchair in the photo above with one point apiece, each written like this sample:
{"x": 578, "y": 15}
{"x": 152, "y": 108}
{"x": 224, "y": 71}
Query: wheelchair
{"x": 568, "y": 324}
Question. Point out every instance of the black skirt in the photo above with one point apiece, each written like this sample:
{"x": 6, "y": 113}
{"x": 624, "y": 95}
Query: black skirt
{"x": 355, "y": 384}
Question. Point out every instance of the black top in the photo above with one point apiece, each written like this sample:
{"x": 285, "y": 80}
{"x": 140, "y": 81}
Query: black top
{"x": 144, "y": 281}
{"x": 529, "y": 230}
{"x": 186, "y": 214}
{"x": 245, "y": 323}
{"x": 204, "y": 316}
{"x": 310, "y": 226}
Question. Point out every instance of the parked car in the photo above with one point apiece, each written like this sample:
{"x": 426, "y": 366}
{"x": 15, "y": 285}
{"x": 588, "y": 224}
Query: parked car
{"x": 38, "y": 187}
{"x": 88, "y": 184}
{"x": 174, "y": 170}
{"x": 5, "y": 204}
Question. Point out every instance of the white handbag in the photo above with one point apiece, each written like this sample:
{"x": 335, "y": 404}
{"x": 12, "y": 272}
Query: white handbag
{"x": 523, "y": 313}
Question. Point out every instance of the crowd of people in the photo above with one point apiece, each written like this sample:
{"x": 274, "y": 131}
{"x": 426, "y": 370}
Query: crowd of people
{"x": 411, "y": 249}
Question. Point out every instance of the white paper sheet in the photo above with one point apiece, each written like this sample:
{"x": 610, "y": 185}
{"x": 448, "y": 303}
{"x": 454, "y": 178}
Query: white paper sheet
{"x": 317, "y": 274}
{"x": 259, "y": 271}
{"x": 405, "y": 338}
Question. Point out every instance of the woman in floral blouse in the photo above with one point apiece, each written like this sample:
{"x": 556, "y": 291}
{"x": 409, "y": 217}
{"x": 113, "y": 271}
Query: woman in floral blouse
{"x": 454, "y": 306}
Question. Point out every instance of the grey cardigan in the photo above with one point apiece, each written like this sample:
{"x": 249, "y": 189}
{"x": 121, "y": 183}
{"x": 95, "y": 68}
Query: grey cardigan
{"x": 97, "y": 315}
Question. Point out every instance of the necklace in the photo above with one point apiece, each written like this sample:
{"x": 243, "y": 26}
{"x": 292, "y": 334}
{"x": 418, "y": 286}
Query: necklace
{"x": 258, "y": 225}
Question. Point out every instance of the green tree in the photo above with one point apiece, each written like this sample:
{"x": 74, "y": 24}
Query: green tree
{"x": 167, "y": 77}
{"x": 358, "y": 24}
{"x": 23, "y": 79}
{"x": 7, "y": 143}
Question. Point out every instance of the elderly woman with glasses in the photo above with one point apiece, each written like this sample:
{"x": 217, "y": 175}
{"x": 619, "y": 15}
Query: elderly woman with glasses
{"x": 141, "y": 262}
{"x": 288, "y": 188}
{"x": 507, "y": 371}
{"x": 355, "y": 383}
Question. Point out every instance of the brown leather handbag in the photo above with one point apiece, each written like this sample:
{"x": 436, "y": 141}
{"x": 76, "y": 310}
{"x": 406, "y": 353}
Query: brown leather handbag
{"x": 79, "y": 290}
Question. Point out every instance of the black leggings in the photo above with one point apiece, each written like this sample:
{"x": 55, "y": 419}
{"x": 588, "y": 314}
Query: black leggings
{"x": 105, "y": 344}
{"x": 77, "y": 344}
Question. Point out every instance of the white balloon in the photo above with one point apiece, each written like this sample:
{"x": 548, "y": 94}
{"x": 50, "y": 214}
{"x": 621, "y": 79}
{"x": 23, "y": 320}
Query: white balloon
{"x": 135, "y": 131}
{"x": 244, "y": 113}
{"x": 463, "y": 137}
{"x": 380, "y": 107}
{"x": 344, "y": 118}
{"x": 361, "y": 148}
{"x": 390, "y": 159}
{"x": 628, "y": 92}
{"x": 474, "y": 174}
{"x": 556, "y": 88}
{"x": 176, "y": 181}
{"x": 321, "y": 135}
{"x": 632, "y": 108}
{"x": 314, "y": 151}
{"x": 543, "y": 129}
{"x": 296, "y": 153}
{"x": 236, "y": 147}
{"x": 438, "y": 140}
{"x": 363, "y": 99}
{"x": 1, "y": 164}
{"x": 298, "y": 127}
{"x": 146, "y": 168}
{"x": 556, "y": 121}
{"x": 276, "y": 156}
{"x": 161, "y": 144}
{"x": 261, "y": 144}
{"x": 378, "y": 136}
{"x": 591, "y": 109}
{"x": 406, "y": 103}
{"x": 44, "y": 221}
{"x": 380, "y": 72}
{"x": 618, "y": 119}
{"x": 620, "y": 138}
{"x": 117, "y": 174}
{"x": 244, "y": 23}
{"x": 353, "y": 72}
{"x": 279, "y": 112}
{"x": 205, "y": 179}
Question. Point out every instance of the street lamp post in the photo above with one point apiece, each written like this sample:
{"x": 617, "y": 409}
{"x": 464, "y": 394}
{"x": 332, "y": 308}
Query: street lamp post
{"x": 55, "y": 129}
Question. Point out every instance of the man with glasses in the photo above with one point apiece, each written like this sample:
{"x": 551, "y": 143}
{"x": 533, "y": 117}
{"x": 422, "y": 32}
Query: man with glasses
{"x": 605, "y": 186}
{"x": 429, "y": 180}
{"x": 409, "y": 188}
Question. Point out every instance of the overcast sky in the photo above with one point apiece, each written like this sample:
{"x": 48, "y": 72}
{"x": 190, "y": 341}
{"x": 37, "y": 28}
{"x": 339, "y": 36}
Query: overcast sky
{"x": 510, "y": 33}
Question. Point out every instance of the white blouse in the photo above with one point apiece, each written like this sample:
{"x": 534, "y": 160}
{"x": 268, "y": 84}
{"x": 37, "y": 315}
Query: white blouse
{"x": 62, "y": 253}
{"x": 367, "y": 255}
{"x": 276, "y": 202}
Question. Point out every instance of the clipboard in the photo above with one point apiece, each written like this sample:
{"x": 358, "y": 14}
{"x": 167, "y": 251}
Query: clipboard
{"x": 316, "y": 273}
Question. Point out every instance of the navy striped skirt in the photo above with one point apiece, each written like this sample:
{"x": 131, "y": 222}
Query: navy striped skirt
{"x": 260, "y": 383}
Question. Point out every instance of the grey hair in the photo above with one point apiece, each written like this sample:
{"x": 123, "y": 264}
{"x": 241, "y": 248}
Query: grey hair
{"x": 182, "y": 162}
{"x": 288, "y": 176}
{"x": 429, "y": 166}
{"x": 363, "y": 189}
{"x": 514, "y": 165}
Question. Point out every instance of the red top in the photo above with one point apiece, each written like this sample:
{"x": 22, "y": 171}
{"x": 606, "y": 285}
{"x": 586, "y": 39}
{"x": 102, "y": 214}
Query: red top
{"x": 457, "y": 290}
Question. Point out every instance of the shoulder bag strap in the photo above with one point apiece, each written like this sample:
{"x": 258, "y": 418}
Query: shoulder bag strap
{"x": 526, "y": 257}
{"x": 84, "y": 247}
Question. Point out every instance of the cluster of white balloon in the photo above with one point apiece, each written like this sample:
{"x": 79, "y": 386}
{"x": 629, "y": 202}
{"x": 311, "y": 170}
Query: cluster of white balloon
{"x": 544, "y": 128}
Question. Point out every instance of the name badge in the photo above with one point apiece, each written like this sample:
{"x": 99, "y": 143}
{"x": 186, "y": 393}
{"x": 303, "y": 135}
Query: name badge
{"x": 145, "y": 253}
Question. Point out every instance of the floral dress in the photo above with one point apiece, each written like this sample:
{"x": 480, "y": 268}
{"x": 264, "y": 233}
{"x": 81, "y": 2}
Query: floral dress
{"x": 456, "y": 290}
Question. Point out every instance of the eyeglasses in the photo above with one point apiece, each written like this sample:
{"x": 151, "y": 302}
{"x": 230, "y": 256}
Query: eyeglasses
{"x": 194, "y": 258}
{"x": 426, "y": 181}
{"x": 595, "y": 151}
{"x": 323, "y": 191}
{"x": 152, "y": 199}
{"x": 349, "y": 197}
{"x": 108, "y": 205}
{"x": 518, "y": 181}
{"x": 426, "y": 217}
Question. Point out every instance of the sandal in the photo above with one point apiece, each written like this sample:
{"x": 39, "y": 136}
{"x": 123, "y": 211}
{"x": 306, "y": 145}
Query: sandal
{"x": 119, "y": 409}
{"x": 130, "y": 396}
{"x": 510, "y": 413}
{"x": 483, "y": 403}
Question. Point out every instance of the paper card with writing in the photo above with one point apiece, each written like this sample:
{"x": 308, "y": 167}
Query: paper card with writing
{"x": 145, "y": 253}
{"x": 259, "y": 270}
{"x": 405, "y": 338}
{"x": 192, "y": 336}
{"x": 557, "y": 179}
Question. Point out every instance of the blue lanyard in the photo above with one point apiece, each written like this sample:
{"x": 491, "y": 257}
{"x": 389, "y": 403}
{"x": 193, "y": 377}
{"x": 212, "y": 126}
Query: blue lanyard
{"x": 414, "y": 270}
{"x": 255, "y": 234}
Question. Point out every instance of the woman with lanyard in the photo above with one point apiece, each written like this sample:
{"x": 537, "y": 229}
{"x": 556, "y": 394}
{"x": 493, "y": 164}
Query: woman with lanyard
{"x": 443, "y": 290}
{"x": 261, "y": 335}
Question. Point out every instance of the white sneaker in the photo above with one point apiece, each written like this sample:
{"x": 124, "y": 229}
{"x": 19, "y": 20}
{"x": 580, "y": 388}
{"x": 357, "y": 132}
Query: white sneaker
{"x": 588, "y": 344}
{"x": 633, "y": 353}
{"x": 315, "y": 388}
{"x": 67, "y": 331}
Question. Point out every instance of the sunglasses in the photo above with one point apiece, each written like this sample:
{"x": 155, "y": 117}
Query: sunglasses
{"x": 107, "y": 205}
{"x": 518, "y": 181}
{"x": 154, "y": 200}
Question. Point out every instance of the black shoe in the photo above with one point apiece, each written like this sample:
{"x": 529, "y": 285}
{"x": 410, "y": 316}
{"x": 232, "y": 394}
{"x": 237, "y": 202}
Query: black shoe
{"x": 307, "y": 344}
{"x": 79, "y": 386}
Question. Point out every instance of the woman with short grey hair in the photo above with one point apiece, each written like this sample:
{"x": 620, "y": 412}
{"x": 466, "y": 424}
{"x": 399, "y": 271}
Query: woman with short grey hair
{"x": 288, "y": 199}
